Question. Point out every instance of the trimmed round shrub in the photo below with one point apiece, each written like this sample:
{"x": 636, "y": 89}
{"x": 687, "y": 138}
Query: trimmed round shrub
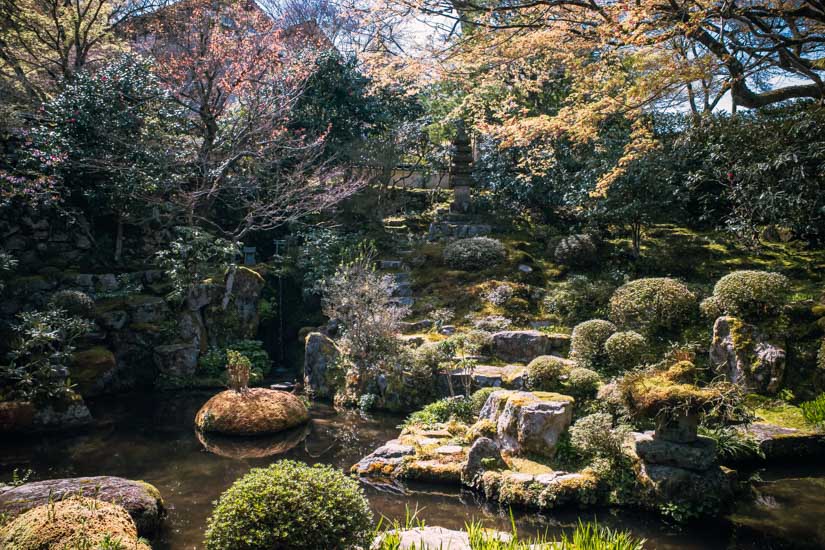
{"x": 474, "y": 253}
{"x": 546, "y": 373}
{"x": 576, "y": 250}
{"x": 625, "y": 349}
{"x": 752, "y": 294}
{"x": 479, "y": 398}
{"x": 290, "y": 506}
{"x": 653, "y": 304}
{"x": 710, "y": 308}
{"x": 587, "y": 342}
{"x": 583, "y": 383}
{"x": 74, "y": 303}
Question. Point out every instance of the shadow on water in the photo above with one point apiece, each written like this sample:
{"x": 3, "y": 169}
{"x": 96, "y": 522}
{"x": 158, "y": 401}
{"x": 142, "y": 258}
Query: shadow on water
{"x": 151, "y": 437}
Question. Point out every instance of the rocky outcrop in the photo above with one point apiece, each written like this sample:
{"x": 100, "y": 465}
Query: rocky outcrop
{"x": 699, "y": 455}
{"x": 522, "y": 346}
{"x": 254, "y": 411}
{"x": 483, "y": 455}
{"x": 27, "y": 417}
{"x": 90, "y": 370}
{"x": 741, "y": 353}
{"x": 320, "y": 354}
{"x": 384, "y": 460}
{"x": 528, "y": 422}
{"x": 141, "y": 500}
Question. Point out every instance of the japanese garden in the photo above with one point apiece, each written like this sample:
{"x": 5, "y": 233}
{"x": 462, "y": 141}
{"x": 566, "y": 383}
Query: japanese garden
{"x": 412, "y": 274}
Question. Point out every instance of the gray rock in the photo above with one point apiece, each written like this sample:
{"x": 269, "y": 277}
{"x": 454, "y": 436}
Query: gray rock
{"x": 524, "y": 268}
{"x": 107, "y": 282}
{"x": 147, "y": 309}
{"x": 113, "y": 320}
{"x": 418, "y": 326}
{"x": 141, "y": 500}
{"x": 699, "y": 455}
{"x": 389, "y": 264}
{"x": 752, "y": 362}
{"x": 669, "y": 484}
{"x": 520, "y": 345}
{"x": 177, "y": 360}
{"x": 320, "y": 353}
{"x": 483, "y": 455}
{"x": 434, "y": 538}
{"x": 383, "y": 460}
{"x": 778, "y": 443}
{"x": 447, "y": 330}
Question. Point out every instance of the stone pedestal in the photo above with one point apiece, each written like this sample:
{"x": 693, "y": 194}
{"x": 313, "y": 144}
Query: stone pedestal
{"x": 678, "y": 427}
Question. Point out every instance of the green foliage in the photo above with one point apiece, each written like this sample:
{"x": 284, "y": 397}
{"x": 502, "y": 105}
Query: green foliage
{"x": 322, "y": 251}
{"x": 592, "y": 536}
{"x": 474, "y": 253}
{"x": 578, "y": 298}
{"x": 450, "y": 408}
{"x": 625, "y": 350}
{"x": 212, "y": 364}
{"x": 814, "y": 411}
{"x": 576, "y": 250}
{"x": 732, "y": 443}
{"x": 594, "y": 436}
{"x": 193, "y": 256}
{"x": 582, "y": 383}
{"x": 73, "y": 302}
{"x": 37, "y": 368}
{"x": 752, "y": 295}
{"x": 237, "y": 367}
{"x": 587, "y": 342}
{"x": 546, "y": 373}
{"x": 8, "y": 264}
{"x": 479, "y": 398}
{"x": 290, "y": 506}
{"x": 652, "y": 305}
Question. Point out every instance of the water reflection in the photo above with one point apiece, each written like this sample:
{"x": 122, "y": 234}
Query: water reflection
{"x": 151, "y": 437}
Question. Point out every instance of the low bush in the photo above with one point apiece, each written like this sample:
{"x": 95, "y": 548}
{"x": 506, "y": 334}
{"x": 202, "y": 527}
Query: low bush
{"x": 238, "y": 368}
{"x": 710, "y": 308}
{"x": 582, "y": 383}
{"x": 594, "y": 436}
{"x": 578, "y": 298}
{"x": 625, "y": 349}
{"x": 73, "y": 302}
{"x": 814, "y": 411}
{"x": 651, "y": 305}
{"x": 546, "y": 373}
{"x": 450, "y": 408}
{"x": 576, "y": 250}
{"x": 752, "y": 295}
{"x": 474, "y": 253}
{"x": 479, "y": 398}
{"x": 291, "y": 506}
{"x": 587, "y": 342}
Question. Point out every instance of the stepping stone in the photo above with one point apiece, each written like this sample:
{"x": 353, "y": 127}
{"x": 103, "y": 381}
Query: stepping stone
{"x": 389, "y": 264}
{"x": 449, "y": 450}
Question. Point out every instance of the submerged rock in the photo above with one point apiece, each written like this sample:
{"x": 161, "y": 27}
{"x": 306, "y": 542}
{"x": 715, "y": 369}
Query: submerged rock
{"x": 141, "y": 500}
{"x": 254, "y": 411}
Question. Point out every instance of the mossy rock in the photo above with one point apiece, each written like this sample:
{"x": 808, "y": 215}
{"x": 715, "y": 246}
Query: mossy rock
{"x": 89, "y": 369}
{"x": 70, "y": 524}
{"x": 254, "y": 411}
{"x": 651, "y": 392}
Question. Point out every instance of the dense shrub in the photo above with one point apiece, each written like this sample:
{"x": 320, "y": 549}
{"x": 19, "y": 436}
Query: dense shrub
{"x": 652, "y": 304}
{"x": 450, "y": 408}
{"x": 751, "y": 294}
{"x": 594, "y": 436}
{"x": 474, "y": 253}
{"x": 582, "y": 383}
{"x": 546, "y": 373}
{"x": 479, "y": 398}
{"x": 576, "y": 250}
{"x": 74, "y": 303}
{"x": 290, "y": 506}
{"x": 212, "y": 364}
{"x": 587, "y": 342}
{"x": 578, "y": 298}
{"x": 625, "y": 349}
{"x": 820, "y": 358}
{"x": 710, "y": 308}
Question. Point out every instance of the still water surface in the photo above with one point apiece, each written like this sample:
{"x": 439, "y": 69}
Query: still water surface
{"x": 150, "y": 437}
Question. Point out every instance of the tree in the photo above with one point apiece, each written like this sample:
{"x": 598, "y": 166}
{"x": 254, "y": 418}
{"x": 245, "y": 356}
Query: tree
{"x": 239, "y": 79}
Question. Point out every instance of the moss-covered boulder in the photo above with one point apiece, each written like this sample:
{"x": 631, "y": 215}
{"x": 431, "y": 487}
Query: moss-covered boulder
{"x": 528, "y": 422}
{"x": 254, "y": 411}
{"x": 744, "y": 355}
{"x": 320, "y": 355}
{"x": 141, "y": 500}
{"x": 90, "y": 368}
{"x": 73, "y": 523}
{"x": 28, "y": 417}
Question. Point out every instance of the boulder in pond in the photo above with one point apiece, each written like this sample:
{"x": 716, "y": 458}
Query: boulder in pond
{"x": 141, "y": 500}
{"x": 75, "y": 522}
{"x": 254, "y": 411}
{"x": 320, "y": 354}
{"x": 24, "y": 416}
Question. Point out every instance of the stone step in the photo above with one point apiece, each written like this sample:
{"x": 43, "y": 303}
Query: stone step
{"x": 389, "y": 264}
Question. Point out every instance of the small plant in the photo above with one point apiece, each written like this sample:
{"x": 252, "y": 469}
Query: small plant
{"x": 238, "y": 367}
{"x": 450, "y": 408}
{"x": 594, "y": 436}
{"x": 474, "y": 253}
{"x": 587, "y": 342}
{"x": 291, "y": 506}
{"x": 752, "y": 295}
{"x": 582, "y": 383}
{"x": 546, "y": 373}
{"x": 20, "y": 477}
{"x": 732, "y": 443}
{"x": 651, "y": 305}
{"x": 625, "y": 350}
{"x": 367, "y": 402}
{"x": 814, "y": 411}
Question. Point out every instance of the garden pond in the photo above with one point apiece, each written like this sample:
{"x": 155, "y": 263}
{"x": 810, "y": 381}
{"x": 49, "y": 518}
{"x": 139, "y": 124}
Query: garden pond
{"x": 151, "y": 437}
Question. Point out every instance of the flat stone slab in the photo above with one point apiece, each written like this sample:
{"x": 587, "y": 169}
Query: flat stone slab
{"x": 450, "y": 450}
{"x": 777, "y": 442}
{"x": 383, "y": 460}
{"x": 699, "y": 455}
{"x": 141, "y": 500}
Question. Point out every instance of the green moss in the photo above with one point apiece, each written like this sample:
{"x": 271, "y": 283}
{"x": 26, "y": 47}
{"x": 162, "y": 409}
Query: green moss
{"x": 776, "y": 412}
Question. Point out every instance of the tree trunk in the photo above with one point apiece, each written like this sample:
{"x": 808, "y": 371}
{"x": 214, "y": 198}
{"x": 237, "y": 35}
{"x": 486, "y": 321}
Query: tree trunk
{"x": 119, "y": 238}
{"x": 636, "y": 230}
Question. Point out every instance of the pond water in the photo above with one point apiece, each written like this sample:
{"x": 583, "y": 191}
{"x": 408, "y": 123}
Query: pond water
{"x": 150, "y": 437}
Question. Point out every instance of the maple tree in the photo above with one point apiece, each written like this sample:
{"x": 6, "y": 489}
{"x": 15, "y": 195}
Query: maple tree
{"x": 238, "y": 75}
